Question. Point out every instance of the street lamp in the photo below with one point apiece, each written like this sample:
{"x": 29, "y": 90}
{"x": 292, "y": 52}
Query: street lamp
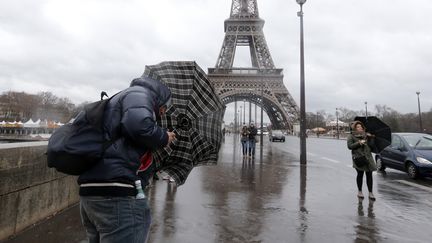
{"x": 262, "y": 125}
{"x": 317, "y": 129}
{"x": 241, "y": 118}
{"x": 302, "y": 89}
{"x": 236, "y": 116}
{"x": 250, "y": 112}
{"x": 337, "y": 123}
{"x": 420, "y": 118}
{"x": 238, "y": 119}
{"x": 256, "y": 114}
{"x": 301, "y": 2}
{"x": 244, "y": 111}
{"x": 366, "y": 108}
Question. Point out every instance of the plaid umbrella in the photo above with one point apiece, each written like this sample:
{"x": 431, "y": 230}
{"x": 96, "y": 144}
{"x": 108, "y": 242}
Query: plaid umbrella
{"x": 195, "y": 116}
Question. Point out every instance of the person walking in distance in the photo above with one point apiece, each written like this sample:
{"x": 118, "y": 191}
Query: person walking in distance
{"x": 244, "y": 139}
{"x": 252, "y": 139}
{"x": 112, "y": 203}
{"x": 363, "y": 161}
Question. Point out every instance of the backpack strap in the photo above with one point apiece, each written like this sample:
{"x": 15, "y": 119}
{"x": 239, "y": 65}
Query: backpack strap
{"x": 110, "y": 142}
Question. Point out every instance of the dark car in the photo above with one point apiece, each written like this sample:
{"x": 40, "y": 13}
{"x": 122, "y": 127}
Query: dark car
{"x": 277, "y": 135}
{"x": 409, "y": 152}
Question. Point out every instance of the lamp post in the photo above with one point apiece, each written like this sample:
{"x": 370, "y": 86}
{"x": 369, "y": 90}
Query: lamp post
{"x": 302, "y": 89}
{"x": 235, "y": 117}
{"x": 241, "y": 124}
{"x": 317, "y": 127}
{"x": 244, "y": 111}
{"x": 237, "y": 121}
{"x": 420, "y": 118}
{"x": 337, "y": 123}
{"x": 262, "y": 124}
{"x": 256, "y": 114}
{"x": 366, "y": 108}
{"x": 250, "y": 112}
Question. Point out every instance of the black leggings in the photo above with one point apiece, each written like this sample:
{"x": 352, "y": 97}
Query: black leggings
{"x": 360, "y": 179}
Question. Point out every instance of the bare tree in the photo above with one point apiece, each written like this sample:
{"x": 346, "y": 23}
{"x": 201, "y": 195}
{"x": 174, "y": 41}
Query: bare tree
{"x": 15, "y": 106}
{"x": 347, "y": 115}
{"x": 64, "y": 109}
{"x": 48, "y": 100}
{"x": 316, "y": 119}
{"x": 391, "y": 117}
{"x": 20, "y": 106}
{"x": 29, "y": 104}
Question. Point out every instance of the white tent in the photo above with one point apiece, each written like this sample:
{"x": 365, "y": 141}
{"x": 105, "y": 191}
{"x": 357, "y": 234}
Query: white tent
{"x": 43, "y": 123}
{"x": 336, "y": 123}
{"x": 31, "y": 123}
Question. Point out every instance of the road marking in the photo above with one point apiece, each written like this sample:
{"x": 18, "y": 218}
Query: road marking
{"x": 415, "y": 185}
{"x": 426, "y": 202}
{"x": 331, "y": 160}
{"x": 396, "y": 212}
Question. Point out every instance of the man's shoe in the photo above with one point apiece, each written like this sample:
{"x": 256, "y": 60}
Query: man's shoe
{"x": 360, "y": 195}
{"x": 371, "y": 196}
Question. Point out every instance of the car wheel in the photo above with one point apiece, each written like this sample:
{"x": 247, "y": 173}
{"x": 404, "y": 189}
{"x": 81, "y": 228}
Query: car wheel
{"x": 412, "y": 170}
{"x": 283, "y": 141}
{"x": 379, "y": 164}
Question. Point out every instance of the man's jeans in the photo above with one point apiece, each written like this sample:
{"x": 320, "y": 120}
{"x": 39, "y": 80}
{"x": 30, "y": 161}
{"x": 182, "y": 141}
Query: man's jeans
{"x": 252, "y": 147}
{"x": 115, "y": 219}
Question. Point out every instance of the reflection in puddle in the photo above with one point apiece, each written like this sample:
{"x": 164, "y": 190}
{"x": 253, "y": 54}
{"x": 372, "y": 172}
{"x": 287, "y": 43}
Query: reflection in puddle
{"x": 366, "y": 228}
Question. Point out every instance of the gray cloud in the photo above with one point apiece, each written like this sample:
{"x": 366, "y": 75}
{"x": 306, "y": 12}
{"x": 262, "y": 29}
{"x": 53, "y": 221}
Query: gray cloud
{"x": 356, "y": 51}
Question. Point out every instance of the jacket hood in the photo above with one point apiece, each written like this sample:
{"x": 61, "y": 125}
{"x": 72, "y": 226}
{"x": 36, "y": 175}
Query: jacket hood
{"x": 162, "y": 92}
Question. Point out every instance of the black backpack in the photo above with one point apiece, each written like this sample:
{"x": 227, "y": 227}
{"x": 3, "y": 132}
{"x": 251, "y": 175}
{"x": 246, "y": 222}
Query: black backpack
{"x": 77, "y": 146}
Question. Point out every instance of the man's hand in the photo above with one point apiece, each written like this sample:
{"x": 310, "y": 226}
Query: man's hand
{"x": 171, "y": 137}
{"x": 362, "y": 142}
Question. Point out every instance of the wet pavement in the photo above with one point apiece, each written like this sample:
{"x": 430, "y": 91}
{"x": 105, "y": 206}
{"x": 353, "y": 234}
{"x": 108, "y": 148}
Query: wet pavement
{"x": 273, "y": 199}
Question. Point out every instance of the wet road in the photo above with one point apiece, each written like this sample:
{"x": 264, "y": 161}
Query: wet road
{"x": 274, "y": 199}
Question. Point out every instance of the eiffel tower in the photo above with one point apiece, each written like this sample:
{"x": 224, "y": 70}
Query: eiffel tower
{"x": 261, "y": 84}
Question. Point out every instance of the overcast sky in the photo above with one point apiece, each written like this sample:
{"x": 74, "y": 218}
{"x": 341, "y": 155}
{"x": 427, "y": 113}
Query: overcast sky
{"x": 355, "y": 51}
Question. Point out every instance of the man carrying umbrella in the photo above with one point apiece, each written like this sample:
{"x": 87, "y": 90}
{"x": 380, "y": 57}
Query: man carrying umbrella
{"x": 111, "y": 209}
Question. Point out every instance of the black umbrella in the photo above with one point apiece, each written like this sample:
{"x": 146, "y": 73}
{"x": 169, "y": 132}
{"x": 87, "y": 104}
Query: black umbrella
{"x": 196, "y": 116}
{"x": 378, "y": 128}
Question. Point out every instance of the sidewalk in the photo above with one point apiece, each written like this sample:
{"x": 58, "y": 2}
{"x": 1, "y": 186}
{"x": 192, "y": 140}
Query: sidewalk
{"x": 267, "y": 199}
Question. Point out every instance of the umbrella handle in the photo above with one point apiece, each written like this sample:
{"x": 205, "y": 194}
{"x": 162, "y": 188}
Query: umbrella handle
{"x": 174, "y": 130}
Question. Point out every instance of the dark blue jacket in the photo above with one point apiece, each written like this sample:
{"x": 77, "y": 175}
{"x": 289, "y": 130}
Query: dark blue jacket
{"x": 130, "y": 119}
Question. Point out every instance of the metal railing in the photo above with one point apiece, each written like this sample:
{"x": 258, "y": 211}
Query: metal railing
{"x": 245, "y": 71}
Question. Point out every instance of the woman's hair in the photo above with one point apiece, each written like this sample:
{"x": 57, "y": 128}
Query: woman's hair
{"x": 355, "y": 123}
